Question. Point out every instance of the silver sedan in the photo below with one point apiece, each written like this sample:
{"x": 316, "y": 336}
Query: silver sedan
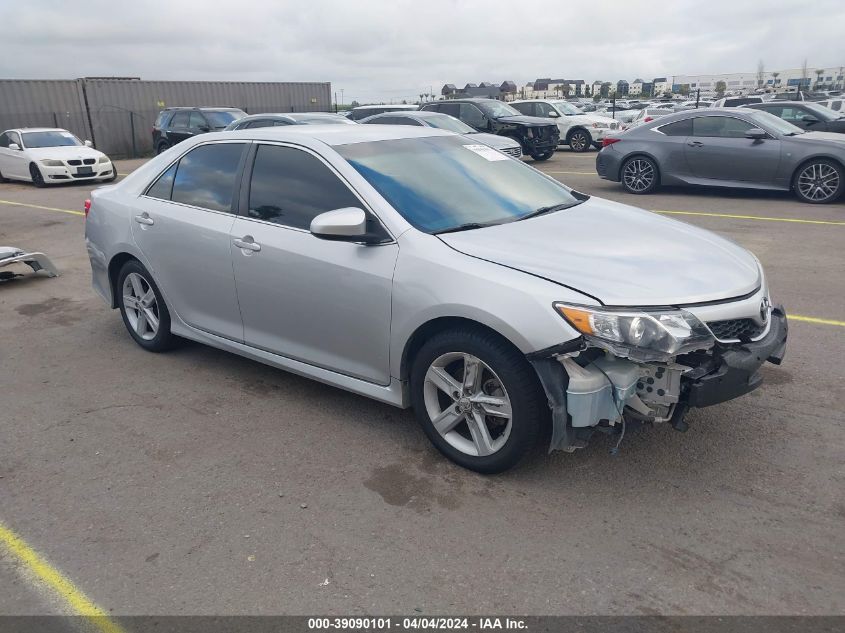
{"x": 726, "y": 147}
{"x": 416, "y": 267}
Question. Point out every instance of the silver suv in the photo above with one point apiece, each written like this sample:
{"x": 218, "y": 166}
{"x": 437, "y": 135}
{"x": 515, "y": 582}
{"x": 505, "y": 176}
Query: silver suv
{"x": 419, "y": 268}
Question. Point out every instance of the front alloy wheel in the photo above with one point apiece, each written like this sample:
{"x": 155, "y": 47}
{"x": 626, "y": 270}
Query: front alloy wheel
{"x": 639, "y": 175}
{"x": 477, "y": 398}
{"x": 36, "y": 175}
{"x": 467, "y": 404}
{"x": 819, "y": 182}
{"x": 579, "y": 141}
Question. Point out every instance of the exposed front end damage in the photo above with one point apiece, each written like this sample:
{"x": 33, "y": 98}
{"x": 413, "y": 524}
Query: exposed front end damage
{"x": 37, "y": 261}
{"x": 591, "y": 389}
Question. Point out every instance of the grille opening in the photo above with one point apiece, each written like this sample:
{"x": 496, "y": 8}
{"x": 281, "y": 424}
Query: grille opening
{"x": 742, "y": 329}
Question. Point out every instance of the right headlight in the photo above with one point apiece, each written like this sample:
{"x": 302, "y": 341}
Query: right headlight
{"x": 52, "y": 163}
{"x": 639, "y": 334}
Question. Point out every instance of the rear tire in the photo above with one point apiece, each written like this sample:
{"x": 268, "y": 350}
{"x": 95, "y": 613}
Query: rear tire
{"x": 640, "y": 175}
{"x": 579, "y": 140}
{"x": 163, "y": 146}
{"x": 485, "y": 418}
{"x": 36, "y": 175}
{"x": 819, "y": 181}
{"x": 142, "y": 307}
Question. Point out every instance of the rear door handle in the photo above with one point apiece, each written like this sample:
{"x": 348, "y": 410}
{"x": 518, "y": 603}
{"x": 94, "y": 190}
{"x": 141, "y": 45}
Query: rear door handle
{"x": 247, "y": 243}
{"x": 695, "y": 143}
{"x": 144, "y": 218}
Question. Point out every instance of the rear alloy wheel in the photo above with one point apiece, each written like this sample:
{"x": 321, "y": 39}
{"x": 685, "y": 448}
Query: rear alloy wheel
{"x": 35, "y": 174}
{"x": 579, "y": 140}
{"x": 639, "y": 175}
{"x": 162, "y": 147}
{"x": 142, "y": 307}
{"x": 819, "y": 182}
{"x": 477, "y": 399}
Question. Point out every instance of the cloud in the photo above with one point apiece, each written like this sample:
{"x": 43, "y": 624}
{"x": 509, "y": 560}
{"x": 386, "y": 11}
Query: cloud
{"x": 397, "y": 50}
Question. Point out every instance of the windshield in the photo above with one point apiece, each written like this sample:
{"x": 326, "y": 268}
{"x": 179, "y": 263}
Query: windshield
{"x": 823, "y": 113}
{"x": 222, "y": 118}
{"x": 497, "y": 109}
{"x": 55, "y": 138}
{"x": 770, "y": 122}
{"x": 564, "y": 107}
{"x": 323, "y": 120}
{"x": 446, "y": 122}
{"x": 443, "y": 182}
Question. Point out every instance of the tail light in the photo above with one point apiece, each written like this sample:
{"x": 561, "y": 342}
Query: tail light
{"x": 609, "y": 141}
{"x": 648, "y": 118}
{"x": 87, "y": 207}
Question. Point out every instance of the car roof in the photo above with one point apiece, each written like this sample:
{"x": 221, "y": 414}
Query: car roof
{"x": 373, "y": 106}
{"x": 37, "y": 129}
{"x": 332, "y": 135}
{"x": 419, "y": 114}
{"x": 201, "y": 108}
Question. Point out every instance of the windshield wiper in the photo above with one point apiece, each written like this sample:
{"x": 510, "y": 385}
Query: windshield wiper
{"x": 462, "y": 227}
{"x": 550, "y": 208}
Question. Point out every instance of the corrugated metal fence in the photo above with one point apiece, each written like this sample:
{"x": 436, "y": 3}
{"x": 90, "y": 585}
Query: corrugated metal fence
{"x": 118, "y": 114}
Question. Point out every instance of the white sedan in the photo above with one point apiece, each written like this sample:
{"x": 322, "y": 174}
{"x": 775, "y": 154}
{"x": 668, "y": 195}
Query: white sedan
{"x": 51, "y": 155}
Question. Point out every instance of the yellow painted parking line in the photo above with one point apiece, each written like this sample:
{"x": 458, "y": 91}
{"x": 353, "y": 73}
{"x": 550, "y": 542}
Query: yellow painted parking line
{"x": 51, "y": 578}
{"x": 38, "y": 206}
{"x": 749, "y": 217}
{"x": 806, "y": 319}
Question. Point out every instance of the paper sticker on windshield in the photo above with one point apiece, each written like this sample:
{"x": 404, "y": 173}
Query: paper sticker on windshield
{"x": 66, "y": 134}
{"x": 486, "y": 152}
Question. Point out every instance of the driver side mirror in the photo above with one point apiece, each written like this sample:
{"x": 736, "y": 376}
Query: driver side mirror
{"x": 809, "y": 119}
{"x": 349, "y": 224}
{"x": 756, "y": 134}
{"x": 553, "y": 114}
{"x": 14, "y": 147}
{"x": 88, "y": 143}
{"x": 204, "y": 128}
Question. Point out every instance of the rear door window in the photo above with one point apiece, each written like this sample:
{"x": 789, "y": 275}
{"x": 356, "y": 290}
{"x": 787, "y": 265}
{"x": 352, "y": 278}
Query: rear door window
{"x": 179, "y": 120}
{"x": 452, "y": 109}
{"x": 206, "y": 176}
{"x": 525, "y": 108}
{"x": 197, "y": 121}
{"x": 678, "y": 128}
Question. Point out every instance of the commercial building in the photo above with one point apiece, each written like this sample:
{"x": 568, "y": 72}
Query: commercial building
{"x": 777, "y": 80}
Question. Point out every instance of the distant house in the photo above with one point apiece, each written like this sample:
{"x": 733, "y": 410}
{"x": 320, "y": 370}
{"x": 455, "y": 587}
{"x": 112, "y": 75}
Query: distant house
{"x": 485, "y": 90}
{"x": 661, "y": 85}
{"x": 636, "y": 88}
{"x": 549, "y": 88}
{"x": 622, "y": 87}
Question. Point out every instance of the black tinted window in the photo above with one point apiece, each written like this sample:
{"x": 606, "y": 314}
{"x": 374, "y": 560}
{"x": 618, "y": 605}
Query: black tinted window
{"x": 4, "y": 140}
{"x": 452, "y": 109}
{"x": 163, "y": 187}
{"x": 678, "y": 128}
{"x": 396, "y": 120}
{"x": 206, "y": 176}
{"x": 196, "y": 120}
{"x": 720, "y": 126}
{"x": 291, "y": 187}
{"x": 525, "y": 108}
{"x": 472, "y": 116}
{"x": 180, "y": 119}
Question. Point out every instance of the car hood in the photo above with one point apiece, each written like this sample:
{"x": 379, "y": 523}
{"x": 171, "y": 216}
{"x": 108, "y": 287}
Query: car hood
{"x": 836, "y": 137}
{"x": 598, "y": 118}
{"x": 493, "y": 140}
{"x": 65, "y": 152}
{"x": 618, "y": 254}
{"x": 522, "y": 119}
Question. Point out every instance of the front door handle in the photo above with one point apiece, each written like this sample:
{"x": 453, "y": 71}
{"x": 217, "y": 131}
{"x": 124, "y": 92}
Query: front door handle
{"x": 144, "y": 218}
{"x": 695, "y": 143}
{"x": 247, "y": 244}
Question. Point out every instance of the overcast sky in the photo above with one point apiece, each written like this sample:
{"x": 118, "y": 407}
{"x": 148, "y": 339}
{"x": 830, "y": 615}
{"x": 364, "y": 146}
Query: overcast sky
{"x": 395, "y": 49}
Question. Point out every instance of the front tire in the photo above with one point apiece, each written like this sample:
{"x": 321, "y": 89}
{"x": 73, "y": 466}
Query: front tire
{"x": 477, "y": 399}
{"x": 819, "y": 181}
{"x": 640, "y": 175}
{"x": 579, "y": 140}
{"x": 142, "y": 307}
{"x": 36, "y": 175}
{"x": 541, "y": 156}
{"x": 113, "y": 176}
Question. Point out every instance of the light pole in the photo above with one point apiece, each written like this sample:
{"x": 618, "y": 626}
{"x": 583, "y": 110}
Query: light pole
{"x": 341, "y": 96}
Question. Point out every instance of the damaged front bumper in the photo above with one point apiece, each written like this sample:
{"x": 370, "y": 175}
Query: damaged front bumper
{"x": 591, "y": 390}
{"x": 37, "y": 261}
